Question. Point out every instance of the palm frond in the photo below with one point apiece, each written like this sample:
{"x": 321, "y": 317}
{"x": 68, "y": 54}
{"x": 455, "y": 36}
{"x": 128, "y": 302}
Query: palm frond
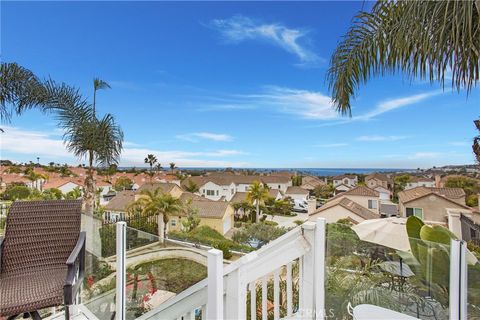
{"x": 99, "y": 84}
{"x": 422, "y": 39}
{"x": 20, "y": 89}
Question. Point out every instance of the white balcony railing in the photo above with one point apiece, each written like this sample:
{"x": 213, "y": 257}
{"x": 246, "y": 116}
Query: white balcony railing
{"x": 223, "y": 295}
{"x": 285, "y": 279}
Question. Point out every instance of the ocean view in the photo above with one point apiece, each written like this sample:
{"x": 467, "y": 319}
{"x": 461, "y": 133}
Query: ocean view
{"x": 315, "y": 171}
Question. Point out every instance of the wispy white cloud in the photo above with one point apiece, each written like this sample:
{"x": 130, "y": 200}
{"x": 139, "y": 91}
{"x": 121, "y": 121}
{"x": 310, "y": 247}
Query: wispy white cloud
{"x": 396, "y": 103}
{"x": 302, "y": 103}
{"x": 240, "y": 28}
{"x": 196, "y": 136}
{"x": 459, "y": 143}
{"x": 48, "y": 145}
{"x": 380, "y": 138}
{"x": 331, "y": 145}
{"x": 425, "y": 155}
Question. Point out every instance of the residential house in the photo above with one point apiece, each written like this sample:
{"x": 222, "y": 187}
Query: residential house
{"x": 416, "y": 182}
{"x": 65, "y": 185}
{"x": 431, "y": 204}
{"x": 380, "y": 183}
{"x": 297, "y": 193}
{"x": 311, "y": 182}
{"x": 116, "y": 208}
{"x": 343, "y": 208}
{"x": 223, "y": 186}
{"x": 218, "y": 215}
{"x": 105, "y": 189}
{"x": 357, "y": 204}
{"x": 345, "y": 179}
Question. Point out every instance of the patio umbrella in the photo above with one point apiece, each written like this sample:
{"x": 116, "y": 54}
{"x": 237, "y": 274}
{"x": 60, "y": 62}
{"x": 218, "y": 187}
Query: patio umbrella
{"x": 392, "y": 233}
{"x": 387, "y": 232}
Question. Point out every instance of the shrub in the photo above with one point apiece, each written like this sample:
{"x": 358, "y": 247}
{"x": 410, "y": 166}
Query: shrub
{"x": 298, "y": 222}
{"x": 207, "y": 236}
{"x": 263, "y": 218}
{"x": 270, "y": 223}
{"x": 237, "y": 224}
{"x": 225, "y": 247}
{"x": 16, "y": 192}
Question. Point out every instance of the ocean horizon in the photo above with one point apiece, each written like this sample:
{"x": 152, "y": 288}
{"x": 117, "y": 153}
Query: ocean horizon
{"x": 310, "y": 171}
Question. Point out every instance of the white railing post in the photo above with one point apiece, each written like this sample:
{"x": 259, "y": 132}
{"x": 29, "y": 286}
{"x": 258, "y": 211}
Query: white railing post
{"x": 215, "y": 285}
{"x": 319, "y": 248}
{"x": 121, "y": 271}
{"x": 308, "y": 274}
{"x": 236, "y": 295}
{"x": 458, "y": 280}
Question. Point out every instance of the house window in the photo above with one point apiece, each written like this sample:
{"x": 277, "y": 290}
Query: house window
{"x": 417, "y": 212}
{"x": 372, "y": 204}
{"x": 173, "y": 222}
{"x": 210, "y": 192}
{"x": 231, "y": 191}
{"x": 203, "y": 191}
{"x": 217, "y": 192}
{"x": 279, "y": 187}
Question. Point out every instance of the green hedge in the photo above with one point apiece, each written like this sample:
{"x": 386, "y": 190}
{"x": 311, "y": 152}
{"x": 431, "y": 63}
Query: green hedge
{"x": 209, "y": 237}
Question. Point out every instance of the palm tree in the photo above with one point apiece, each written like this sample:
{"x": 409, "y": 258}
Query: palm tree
{"x": 158, "y": 167}
{"x": 98, "y": 84}
{"x": 256, "y": 195}
{"x": 191, "y": 187}
{"x": 97, "y": 139}
{"x": 155, "y": 202}
{"x": 424, "y": 39}
{"x": 151, "y": 160}
{"x": 172, "y": 166}
{"x": 476, "y": 142}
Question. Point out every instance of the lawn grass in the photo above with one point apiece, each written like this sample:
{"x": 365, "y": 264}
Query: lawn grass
{"x": 174, "y": 275}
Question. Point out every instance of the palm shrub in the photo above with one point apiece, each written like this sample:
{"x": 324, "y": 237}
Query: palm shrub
{"x": 421, "y": 39}
{"x": 256, "y": 195}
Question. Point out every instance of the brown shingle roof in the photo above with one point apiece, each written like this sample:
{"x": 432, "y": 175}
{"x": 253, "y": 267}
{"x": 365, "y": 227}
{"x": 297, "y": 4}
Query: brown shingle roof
{"x": 121, "y": 201}
{"x": 165, "y": 186}
{"x": 296, "y": 190}
{"x": 340, "y": 177}
{"x": 210, "y": 209}
{"x": 419, "y": 192}
{"x": 239, "y": 197}
{"x": 378, "y": 176}
{"x": 223, "y": 179}
{"x": 359, "y": 191}
{"x": 420, "y": 179}
{"x": 351, "y": 206}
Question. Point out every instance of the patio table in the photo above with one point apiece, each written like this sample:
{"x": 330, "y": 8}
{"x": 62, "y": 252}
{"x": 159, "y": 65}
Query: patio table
{"x": 371, "y": 312}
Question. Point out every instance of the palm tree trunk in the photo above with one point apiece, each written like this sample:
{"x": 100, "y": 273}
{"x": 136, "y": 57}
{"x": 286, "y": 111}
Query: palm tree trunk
{"x": 89, "y": 196}
{"x": 94, "y": 100}
{"x": 258, "y": 211}
{"x": 160, "y": 227}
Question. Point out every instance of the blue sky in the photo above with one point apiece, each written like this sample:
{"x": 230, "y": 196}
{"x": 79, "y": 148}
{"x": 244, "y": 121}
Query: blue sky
{"x": 227, "y": 84}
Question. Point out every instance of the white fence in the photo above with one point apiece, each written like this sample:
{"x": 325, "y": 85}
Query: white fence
{"x": 225, "y": 293}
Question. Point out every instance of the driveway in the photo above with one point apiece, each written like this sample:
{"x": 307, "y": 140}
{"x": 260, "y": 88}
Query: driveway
{"x": 288, "y": 222}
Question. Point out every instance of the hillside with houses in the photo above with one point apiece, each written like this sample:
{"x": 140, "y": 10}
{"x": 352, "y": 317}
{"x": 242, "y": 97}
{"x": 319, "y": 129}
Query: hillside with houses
{"x": 221, "y": 198}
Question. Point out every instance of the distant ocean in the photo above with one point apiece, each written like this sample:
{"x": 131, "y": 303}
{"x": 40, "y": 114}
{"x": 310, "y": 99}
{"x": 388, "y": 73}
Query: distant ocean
{"x": 315, "y": 171}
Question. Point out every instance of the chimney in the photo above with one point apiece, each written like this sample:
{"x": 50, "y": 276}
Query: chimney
{"x": 311, "y": 205}
{"x": 437, "y": 181}
{"x": 478, "y": 197}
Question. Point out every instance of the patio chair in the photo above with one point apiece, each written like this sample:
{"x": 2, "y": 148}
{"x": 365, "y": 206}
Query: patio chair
{"x": 42, "y": 257}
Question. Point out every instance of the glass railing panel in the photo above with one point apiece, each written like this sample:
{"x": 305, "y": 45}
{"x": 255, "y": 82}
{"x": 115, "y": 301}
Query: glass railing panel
{"x": 413, "y": 281}
{"x": 98, "y": 291}
{"x": 473, "y": 280}
{"x": 159, "y": 270}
